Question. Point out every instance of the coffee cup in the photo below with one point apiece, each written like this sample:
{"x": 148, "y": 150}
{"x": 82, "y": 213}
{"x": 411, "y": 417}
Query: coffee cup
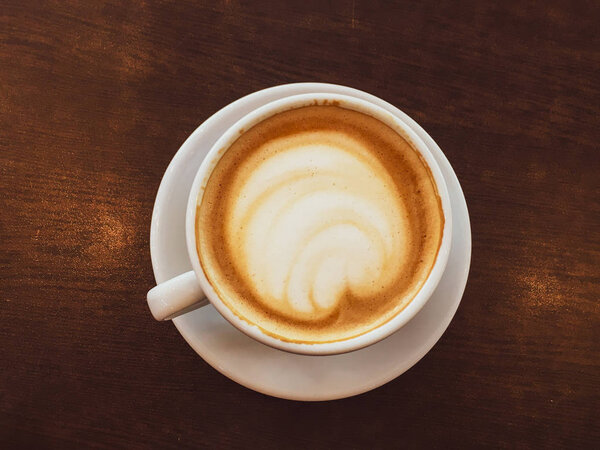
{"x": 354, "y": 226}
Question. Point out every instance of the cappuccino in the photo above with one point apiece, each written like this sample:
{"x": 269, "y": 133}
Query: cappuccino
{"x": 319, "y": 224}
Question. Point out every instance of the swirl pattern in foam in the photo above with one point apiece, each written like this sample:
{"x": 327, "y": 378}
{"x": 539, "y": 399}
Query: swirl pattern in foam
{"x": 319, "y": 224}
{"x": 314, "y": 221}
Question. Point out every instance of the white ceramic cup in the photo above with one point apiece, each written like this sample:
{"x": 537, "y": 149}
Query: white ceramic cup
{"x": 192, "y": 290}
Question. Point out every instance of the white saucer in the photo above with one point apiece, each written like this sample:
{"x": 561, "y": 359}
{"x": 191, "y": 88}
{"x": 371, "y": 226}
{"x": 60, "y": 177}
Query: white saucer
{"x": 274, "y": 372}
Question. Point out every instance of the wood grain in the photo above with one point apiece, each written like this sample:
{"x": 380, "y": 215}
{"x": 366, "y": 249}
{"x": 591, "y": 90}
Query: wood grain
{"x": 96, "y": 98}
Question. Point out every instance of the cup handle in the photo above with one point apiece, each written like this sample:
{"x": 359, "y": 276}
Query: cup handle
{"x": 176, "y": 296}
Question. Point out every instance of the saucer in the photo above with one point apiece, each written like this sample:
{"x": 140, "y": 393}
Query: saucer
{"x": 265, "y": 369}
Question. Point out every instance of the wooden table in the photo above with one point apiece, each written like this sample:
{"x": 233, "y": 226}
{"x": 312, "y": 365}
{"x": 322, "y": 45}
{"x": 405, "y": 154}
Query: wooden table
{"x": 96, "y": 98}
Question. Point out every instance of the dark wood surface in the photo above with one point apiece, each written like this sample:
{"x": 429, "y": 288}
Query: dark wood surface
{"x": 96, "y": 98}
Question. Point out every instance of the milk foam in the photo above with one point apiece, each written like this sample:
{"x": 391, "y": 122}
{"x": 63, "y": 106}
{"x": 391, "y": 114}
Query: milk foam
{"x": 318, "y": 224}
{"x": 314, "y": 222}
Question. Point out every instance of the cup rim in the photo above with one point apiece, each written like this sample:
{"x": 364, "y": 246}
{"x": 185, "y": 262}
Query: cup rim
{"x": 263, "y": 113}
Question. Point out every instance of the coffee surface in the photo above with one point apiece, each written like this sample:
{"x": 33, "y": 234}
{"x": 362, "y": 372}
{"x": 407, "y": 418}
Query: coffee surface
{"x": 319, "y": 224}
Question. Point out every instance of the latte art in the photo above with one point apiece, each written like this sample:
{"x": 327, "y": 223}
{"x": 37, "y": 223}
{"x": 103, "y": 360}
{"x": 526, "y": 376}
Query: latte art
{"x": 314, "y": 222}
{"x": 319, "y": 224}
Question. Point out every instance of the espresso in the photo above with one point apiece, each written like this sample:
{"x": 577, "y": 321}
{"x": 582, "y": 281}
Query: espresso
{"x": 319, "y": 224}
